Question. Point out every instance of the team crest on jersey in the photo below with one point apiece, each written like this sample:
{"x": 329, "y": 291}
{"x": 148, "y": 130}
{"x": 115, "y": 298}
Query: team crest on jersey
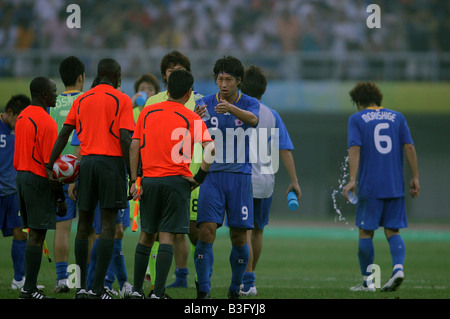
{"x": 238, "y": 122}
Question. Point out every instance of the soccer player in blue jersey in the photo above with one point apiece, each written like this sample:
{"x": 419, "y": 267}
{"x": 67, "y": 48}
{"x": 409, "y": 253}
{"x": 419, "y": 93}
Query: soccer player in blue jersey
{"x": 377, "y": 139}
{"x": 10, "y": 222}
{"x": 272, "y": 129}
{"x": 228, "y": 186}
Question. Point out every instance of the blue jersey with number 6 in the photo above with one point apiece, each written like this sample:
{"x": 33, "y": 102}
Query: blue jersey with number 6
{"x": 381, "y": 133}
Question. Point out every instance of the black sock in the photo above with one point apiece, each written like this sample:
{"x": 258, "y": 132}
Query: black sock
{"x": 141, "y": 258}
{"x": 81, "y": 258}
{"x": 104, "y": 253}
{"x": 33, "y": 258}
{"x": 163, "y": 264}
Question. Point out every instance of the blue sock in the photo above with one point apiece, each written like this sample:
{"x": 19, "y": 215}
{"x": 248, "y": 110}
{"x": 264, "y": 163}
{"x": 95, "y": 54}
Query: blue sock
{"x": 18, "y": 257}
{"x": 366, "y": 255}
{"x": 61, "y": 270}
{"x": 118, "y": 262}
{"x": 397, "y": 247}
{"x": 91, "y": 266}
{"x": 204, "y": 260}
{"x": 238, "y": 260}
{"x": 248, "y": 280}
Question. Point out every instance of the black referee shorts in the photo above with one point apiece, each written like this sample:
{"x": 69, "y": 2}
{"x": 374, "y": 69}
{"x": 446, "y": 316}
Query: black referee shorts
{"x": 102, "y": 178}
{"x": 165, "y": 205}
{"x": 37, "y": 202}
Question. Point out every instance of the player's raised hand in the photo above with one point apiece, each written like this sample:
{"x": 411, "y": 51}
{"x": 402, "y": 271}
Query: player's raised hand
{"x": 200, "y": 110}
{"x": 223, "y": 107}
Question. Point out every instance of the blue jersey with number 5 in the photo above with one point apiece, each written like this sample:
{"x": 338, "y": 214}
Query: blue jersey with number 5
{"x": 7, "y": 171}
{"x": 381, "y": 133}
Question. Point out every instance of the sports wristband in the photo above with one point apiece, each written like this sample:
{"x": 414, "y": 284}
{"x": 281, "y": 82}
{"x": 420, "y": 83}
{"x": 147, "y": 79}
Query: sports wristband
{"x": 200, "y": 176}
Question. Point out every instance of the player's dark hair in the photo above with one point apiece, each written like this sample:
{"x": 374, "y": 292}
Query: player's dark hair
{"x": 231, "y": 65}
{"x": 366, "y": 93}
{"x": 110, "y": 70}
{"x": 180, "y": 83}
{"x": 70, "y": 69}
{"x": 150, "y": 78}
{"x": 255, "y": 82}
{"x": 172, "y": 59}
{"x": 17, "y": 103}
{"x": 39, "y": 85}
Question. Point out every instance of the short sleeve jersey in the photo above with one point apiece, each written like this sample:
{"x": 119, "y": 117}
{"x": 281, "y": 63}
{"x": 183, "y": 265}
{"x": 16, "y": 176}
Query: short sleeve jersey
{"x": 36, "y": 133}
{"x": 381, "y": 133}
{"x": 231, "y": 135}
{"x": 59, "y": 113}
{"x": 167, "y": 132}
{"x": 7, "y": 172}
{"x": 98, "y": 116}
{"x": 190, "y": 104}
{"x": 272, "y": 137}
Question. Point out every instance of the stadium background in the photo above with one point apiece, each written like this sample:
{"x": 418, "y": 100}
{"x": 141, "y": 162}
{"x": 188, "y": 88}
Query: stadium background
{"x": 312, "y": 51}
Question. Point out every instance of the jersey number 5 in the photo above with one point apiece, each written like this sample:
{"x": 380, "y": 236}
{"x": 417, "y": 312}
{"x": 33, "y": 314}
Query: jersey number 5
{"x": 383, "y": 143}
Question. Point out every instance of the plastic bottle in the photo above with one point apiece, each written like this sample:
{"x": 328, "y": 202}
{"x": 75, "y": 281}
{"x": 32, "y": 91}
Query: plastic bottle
{"x": 140, "y": 100}
{"x": 292, "y": 200}
{"x": 352, "y": 198}
{"x": 200, "y": 103}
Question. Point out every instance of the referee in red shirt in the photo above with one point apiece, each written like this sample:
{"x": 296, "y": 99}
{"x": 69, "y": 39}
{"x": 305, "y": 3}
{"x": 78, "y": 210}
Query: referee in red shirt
{"x": 164, "y": 141}
{"x": 103, "y": 118}
{"x": 36, "y": 133}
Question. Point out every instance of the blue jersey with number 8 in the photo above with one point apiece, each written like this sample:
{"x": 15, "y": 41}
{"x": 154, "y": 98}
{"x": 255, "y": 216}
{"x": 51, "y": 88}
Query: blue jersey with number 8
{"x": 381, "y": 133}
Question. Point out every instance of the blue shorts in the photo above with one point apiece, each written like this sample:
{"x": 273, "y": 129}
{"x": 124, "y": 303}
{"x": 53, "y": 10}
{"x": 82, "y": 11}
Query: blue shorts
{"x": 261, "y": 208}
{"x": 372, "y": 213}
{"x": 9, "y": 214}
{"x": 123, "y": 217}
{"x": 71, "y": 207}
{"x": 226, "y": 192}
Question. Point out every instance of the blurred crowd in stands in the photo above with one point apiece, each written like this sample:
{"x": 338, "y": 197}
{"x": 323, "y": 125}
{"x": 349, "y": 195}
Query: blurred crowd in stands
{"x": 252, "y": 26}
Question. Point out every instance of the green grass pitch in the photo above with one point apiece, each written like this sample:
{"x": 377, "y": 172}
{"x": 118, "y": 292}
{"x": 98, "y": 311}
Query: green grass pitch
{"x": 299, "y": 261}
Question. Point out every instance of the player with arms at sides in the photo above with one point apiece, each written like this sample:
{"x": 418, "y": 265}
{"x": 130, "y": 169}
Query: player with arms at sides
{"x": 72, "y": 74}
{"x": 228, "y": 186}
{"x": 10, "y": 222}
{"x": 377, "y": 139}
{"x": 167, "y": 180}
{"x": 39, "y": 200}
{"x": 103, "y": 118}
{"x": 263, "y": 171}
{"x": 172, "y": 61}
{"x": 117, "y": 268}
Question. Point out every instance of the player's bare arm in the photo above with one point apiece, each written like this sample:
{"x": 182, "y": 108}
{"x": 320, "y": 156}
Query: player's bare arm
{"x": 288, "y": 161}
{"x": 60, "y": 143}
{"x": 411, "y": 157}
{"x": 353, "y": 165}
{"x": 134, "y": 163}
{"x": 245, "y": 116}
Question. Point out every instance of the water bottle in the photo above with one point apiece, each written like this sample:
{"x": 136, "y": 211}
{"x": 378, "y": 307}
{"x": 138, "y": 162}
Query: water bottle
{"x": 199, "y": 102}
{"x": 292, "y": 200}
{"x": 140, "y": 101}
{"x": 352, "y": 198}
